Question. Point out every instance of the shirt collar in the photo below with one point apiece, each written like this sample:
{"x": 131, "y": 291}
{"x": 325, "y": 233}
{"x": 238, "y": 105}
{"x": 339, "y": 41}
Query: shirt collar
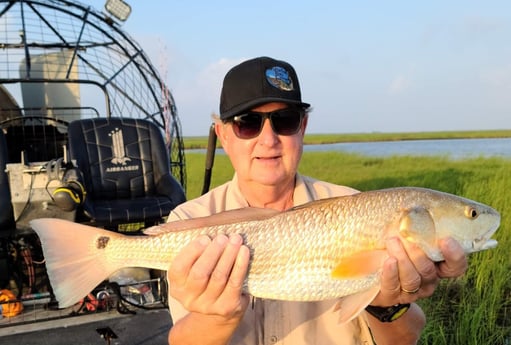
{"x": 301, "y": 194}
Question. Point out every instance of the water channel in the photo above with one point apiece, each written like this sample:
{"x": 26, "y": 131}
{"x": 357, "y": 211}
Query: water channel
{"x": 451, "y": 148}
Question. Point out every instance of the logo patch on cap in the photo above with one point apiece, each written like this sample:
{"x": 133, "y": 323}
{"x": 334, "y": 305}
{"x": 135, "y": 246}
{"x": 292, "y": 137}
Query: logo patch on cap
{"x": 279, "y": 78}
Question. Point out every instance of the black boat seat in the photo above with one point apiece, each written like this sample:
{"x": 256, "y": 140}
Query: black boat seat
{"x": 125, "y": 170}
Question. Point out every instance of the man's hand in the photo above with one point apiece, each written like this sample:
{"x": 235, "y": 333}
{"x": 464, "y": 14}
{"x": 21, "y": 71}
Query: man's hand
{"x": 409, "y": 274}
{"x": 207, "y": 276}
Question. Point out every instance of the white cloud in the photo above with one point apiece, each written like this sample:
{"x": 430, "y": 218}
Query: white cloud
{"x": 399, "y": 85}
{"x": 480, "y": 26}
{"x": 198, "y": 95}
{"x": 498, "y": 77}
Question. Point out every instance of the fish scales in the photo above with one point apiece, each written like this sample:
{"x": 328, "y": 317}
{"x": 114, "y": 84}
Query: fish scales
{"x": 311, "y": 252}
{"x": 303, "y": 248}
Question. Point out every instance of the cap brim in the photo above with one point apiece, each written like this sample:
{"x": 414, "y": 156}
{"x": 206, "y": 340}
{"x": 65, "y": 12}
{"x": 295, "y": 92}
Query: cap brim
{"x": 254, "y": 103}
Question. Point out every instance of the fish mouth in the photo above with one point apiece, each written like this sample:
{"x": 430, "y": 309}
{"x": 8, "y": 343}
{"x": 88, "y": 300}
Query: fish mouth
{"x": 483, "y": 244}
{"x": 485, "y": 241}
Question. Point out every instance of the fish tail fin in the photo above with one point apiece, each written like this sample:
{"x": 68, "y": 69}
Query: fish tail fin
{"x": 74, "y": 263}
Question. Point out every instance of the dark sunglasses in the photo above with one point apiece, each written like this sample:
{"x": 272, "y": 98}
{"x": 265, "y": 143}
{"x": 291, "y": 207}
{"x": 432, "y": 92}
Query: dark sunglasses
{"x": 283, "y": 122}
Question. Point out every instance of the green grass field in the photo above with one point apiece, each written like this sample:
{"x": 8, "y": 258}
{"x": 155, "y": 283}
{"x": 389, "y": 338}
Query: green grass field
{"x": 472, "y": 310}
{"x": 200, "y": 142}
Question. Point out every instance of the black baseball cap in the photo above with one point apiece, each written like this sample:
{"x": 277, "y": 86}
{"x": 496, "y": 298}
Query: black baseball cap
{"x": 258, "y": 81}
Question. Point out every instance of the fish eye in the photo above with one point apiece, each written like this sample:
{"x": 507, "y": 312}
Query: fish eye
{"x": 471, "y": 212}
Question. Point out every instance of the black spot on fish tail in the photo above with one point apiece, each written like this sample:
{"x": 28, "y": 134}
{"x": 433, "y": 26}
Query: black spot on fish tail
{"x": 102, "y": 242}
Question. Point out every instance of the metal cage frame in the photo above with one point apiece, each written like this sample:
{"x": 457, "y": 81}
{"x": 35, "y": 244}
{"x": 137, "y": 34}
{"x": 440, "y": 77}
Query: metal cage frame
{"x": 98, "y": 53}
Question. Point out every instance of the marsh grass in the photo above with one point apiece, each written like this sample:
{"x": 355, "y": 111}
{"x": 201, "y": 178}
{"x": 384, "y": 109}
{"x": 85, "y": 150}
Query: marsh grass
{"x": 472, "y": 310}
{"x": 381, "y": 136}
{"x": 200, "y": 142}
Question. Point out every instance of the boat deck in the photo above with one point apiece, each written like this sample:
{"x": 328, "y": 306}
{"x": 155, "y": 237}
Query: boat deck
{"x": 140, "y": 317}
{"x": 146, "y": 327}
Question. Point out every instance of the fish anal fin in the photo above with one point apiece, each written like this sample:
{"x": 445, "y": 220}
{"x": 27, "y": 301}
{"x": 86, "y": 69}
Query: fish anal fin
{"x": 360, "y": 264}
{"x": 351, "y": 306}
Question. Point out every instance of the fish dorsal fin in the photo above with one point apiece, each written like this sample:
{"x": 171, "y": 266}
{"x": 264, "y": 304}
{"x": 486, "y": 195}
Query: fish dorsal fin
{"x": 360, "y": 264}
{"x": 222, "y": 218}
{"x": 320, "y": 202}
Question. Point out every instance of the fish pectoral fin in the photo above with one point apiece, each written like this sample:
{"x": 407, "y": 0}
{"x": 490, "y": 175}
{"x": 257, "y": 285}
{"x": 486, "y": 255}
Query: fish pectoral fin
{"x": 350, "y": 306}
{"x": 360, "y": 264}
{"x": 417, "y": 226}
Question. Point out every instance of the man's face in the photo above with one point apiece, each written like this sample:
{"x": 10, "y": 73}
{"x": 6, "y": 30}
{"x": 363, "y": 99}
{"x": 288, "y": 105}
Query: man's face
{"x": 268, "y": 159}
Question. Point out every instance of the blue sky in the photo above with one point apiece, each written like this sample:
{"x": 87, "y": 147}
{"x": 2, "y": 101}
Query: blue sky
{"x": 365, "y": 66}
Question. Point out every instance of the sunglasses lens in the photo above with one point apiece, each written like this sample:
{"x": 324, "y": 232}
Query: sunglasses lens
{"x": 247, "y": 126}
{"x": 287, "y": 121}
{"x": 283, "y": 122}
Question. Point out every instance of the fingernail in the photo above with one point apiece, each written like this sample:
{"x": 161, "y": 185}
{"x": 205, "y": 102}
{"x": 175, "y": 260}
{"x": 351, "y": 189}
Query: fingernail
{"x": 235, "y": 239}
{"x": 393, "y": 244}
{"x": 204, "y": 240}
{"x": 392, "y": 264}
{"x": 449, "y": 243}
{"x": 221, "y": 239}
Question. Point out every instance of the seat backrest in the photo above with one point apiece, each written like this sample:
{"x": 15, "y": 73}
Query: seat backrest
{"x": 39, "y": 143}
{"x": 119, "y": 158}
{"x": 36, "y": 138}
{"x": 7, "y": 223}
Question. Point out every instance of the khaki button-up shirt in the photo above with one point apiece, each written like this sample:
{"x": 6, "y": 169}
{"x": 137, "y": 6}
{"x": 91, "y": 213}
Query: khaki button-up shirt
{"x": 268, "y": 322}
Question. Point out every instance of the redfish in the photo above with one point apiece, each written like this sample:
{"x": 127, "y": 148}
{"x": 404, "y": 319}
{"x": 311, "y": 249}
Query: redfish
{"x": 325, "y": 249}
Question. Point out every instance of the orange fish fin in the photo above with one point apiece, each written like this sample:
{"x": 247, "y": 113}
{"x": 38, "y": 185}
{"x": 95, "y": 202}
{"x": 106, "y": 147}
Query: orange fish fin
{"x": 360, "y": 264}
{"x": 73, "y": 257}
{"x": 351, "y": 306}
{"x": 222, "y": 218}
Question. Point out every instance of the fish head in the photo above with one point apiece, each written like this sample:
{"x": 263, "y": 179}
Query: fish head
{"x": 443, "y": 215}
{"x": 470, "y": 223}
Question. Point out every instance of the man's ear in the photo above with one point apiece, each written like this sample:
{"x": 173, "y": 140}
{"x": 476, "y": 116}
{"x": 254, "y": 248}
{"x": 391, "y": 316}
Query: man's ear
{"x": 221, "y": 134}
{"x": 304, "y": 124}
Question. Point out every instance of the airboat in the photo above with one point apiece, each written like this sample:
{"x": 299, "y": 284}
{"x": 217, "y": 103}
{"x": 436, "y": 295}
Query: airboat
{"x": 88, "y": 128}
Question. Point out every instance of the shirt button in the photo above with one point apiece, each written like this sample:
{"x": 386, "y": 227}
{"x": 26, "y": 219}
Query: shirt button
{"x": 274, "y": 338}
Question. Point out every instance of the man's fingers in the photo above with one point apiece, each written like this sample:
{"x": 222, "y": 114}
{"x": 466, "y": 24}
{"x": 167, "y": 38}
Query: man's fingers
{"x": 183, "y": 262}
{"x": 233, "y": 289}
{"x": 224, "y": 267}
{"x": 204, "y": 266}
{"x": 455, "y": 263}
{"x": 426, "y": 269}
{"x": 390, "y": 278}
{"x": 409, "y": 277}
{"x": 240, "y": 269}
